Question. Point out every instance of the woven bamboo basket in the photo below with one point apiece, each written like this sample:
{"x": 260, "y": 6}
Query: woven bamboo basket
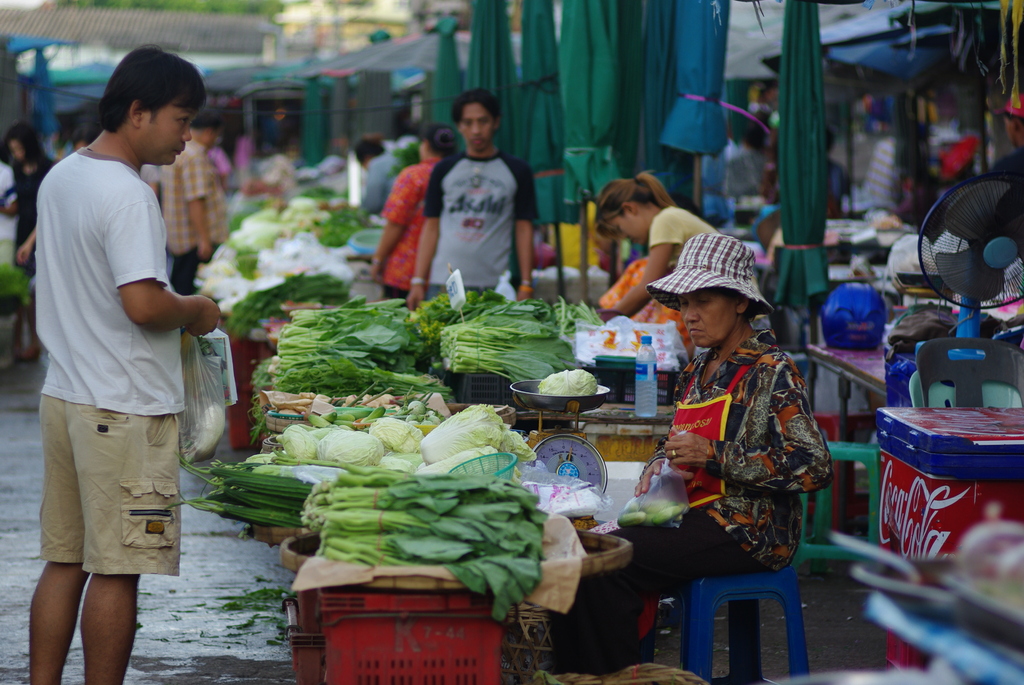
{"x": 605, "y": 553}
{"x": 278, "y": 422}
{"x": 270, "y": 444}
{"x": 641, "y": 674}
{"x": 275, "y": 535}
{"x": 527, "y": 647}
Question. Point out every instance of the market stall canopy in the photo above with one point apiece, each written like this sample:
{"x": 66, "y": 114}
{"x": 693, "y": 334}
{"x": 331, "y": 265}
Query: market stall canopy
{"x": 874, "y": 51}
{"x": 228, "y": 81}
{"x": 753, "y": 40}
{"x": 408, "y": 51}
{"x": 697, "y": 121}
{"x": 898, "y": 58}
{"x": 802, "y": 160}
{"x": 447, "y": 74}
{"x": 20, "y": 43}
{"x": 756, "y": 33}
{"x": 491, "y": 65}
{"x": 659, "y": 83}
{"x": 600, "y": 48}
{"x": 542, "y": 123}
{"x": 44, "y": 114}
{"x": 80, "y": 87}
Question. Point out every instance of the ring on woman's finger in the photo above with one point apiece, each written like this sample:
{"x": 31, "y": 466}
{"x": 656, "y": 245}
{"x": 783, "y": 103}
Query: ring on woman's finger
{"x": 673, "y": 454}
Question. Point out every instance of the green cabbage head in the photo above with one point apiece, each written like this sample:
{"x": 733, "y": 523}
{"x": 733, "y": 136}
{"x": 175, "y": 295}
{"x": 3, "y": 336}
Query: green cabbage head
{"x": 475, "y": 426}
{"x": 575, "y": 383}
{"x": 298, "y": 442}
{"x": 351, "y": 447}
{"x": 397, "y": 436}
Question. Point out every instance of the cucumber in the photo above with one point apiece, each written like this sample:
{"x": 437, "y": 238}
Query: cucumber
{"x": 632, "y": 518}
{"x": 355, "y": 412}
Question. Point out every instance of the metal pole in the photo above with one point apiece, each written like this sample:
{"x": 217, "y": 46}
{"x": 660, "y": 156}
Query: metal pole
{"x": 983, "y": 134}
{"x": 584, "y": 248}
{"x": 558, "y": 258}
{"x": 698, "y": 189}
{"x": 848, "y": 115}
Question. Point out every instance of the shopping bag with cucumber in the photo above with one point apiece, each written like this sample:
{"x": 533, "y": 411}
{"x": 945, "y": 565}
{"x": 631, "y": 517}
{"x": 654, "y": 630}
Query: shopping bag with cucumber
{"x": 662, "y": 505}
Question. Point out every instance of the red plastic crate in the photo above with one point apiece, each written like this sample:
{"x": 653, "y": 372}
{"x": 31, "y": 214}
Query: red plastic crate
{"x": 388, "y": 638}
{"x": 245, "y": 355}
{"x": 308, "y": 658}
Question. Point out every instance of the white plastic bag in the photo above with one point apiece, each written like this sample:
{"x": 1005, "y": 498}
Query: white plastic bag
{"x": 201, "y": 424}
{"x": 662, "y": 505}
{"x": 504, "y": 287}
{"x": 565, "y": 495}
{"x": 620, "y": 337}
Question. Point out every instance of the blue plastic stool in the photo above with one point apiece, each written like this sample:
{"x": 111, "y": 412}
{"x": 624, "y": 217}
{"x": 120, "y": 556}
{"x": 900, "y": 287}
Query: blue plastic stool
{"x": 700, "y": 599}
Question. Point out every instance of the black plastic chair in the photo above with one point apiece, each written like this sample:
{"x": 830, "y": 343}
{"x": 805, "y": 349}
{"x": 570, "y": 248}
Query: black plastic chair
{"x": 984, "y": 362}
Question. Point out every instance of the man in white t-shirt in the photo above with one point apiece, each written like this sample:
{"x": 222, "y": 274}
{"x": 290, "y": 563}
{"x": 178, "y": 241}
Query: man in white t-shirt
{"x": 114, "y": 383}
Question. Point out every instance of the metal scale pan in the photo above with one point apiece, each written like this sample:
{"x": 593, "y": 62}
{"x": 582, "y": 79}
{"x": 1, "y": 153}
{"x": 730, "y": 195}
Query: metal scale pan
{"x": 567, "y": 454}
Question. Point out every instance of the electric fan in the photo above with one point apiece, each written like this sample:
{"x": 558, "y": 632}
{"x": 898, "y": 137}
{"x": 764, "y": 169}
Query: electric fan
{"x": 971, "y": 246}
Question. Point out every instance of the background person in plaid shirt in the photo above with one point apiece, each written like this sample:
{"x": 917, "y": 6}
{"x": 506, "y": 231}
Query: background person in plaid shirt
{"x": 194, "y": 207}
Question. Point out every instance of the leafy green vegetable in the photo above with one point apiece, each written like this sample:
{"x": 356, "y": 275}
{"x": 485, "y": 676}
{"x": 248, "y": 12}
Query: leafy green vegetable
{"x": 266, "y": 304}
{"x": 319, "y": 193}
{"x": 342, "y": 225}
{"x": 576, "y": 382}
{"x": 516, "y": 349}
{"x": 405, "y": 156}
{"x": 474, "y": 426}
{"x": 14, "y": 284}
{"x": 298, "y": 443}
{"x": 569, "y": 315}
{"x": 487, "y": 532}
{"x": 351, "y": 350}
{"x": 397, "y": 435}
{"x": 350, "y": 447}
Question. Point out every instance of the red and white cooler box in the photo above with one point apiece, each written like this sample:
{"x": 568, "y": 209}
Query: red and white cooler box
{"x": 940, "y": 468}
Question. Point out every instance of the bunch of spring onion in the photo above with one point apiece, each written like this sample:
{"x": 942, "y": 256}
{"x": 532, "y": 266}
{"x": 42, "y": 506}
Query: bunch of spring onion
{"x": 252, "y": 493}
{"x": 486, "y": 531}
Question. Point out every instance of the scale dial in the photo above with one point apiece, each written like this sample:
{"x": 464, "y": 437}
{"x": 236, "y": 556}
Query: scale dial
{"x": 571, "y": 455}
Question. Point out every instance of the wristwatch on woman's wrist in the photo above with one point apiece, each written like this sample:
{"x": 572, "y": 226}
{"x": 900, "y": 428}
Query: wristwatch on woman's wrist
{"x": 416, "y": 280}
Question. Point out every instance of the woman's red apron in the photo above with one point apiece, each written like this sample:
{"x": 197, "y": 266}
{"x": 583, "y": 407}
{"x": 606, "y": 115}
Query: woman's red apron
{"x": 708, "y": 420}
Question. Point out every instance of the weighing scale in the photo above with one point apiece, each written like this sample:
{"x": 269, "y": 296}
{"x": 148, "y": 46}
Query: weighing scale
{"x": 564, "y": 451}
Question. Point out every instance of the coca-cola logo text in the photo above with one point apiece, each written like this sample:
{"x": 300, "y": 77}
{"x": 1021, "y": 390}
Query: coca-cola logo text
{"x": 908, "y": 515}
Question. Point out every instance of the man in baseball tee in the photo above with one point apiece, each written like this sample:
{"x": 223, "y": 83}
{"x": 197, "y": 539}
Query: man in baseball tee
{"x": 476, "y": 202}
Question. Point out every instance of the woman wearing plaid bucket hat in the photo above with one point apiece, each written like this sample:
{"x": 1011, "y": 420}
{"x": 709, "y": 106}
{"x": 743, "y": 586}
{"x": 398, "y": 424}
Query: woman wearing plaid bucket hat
{"x": 745, "y": 439}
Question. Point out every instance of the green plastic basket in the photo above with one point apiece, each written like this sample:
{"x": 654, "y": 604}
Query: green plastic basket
{"x": 499, "y": 464}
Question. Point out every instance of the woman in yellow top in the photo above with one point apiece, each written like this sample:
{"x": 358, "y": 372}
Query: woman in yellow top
{"x": 640, "y": 209}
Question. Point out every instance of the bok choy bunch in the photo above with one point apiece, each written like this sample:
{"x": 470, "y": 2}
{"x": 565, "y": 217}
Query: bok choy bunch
{"x": 486, "y": 531}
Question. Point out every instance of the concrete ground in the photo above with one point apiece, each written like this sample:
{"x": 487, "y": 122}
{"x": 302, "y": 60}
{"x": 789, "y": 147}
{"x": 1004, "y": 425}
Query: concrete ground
{"x": 220, "y": 621}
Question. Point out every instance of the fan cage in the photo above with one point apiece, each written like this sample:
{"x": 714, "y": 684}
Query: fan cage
{"x": 981, "y": 208}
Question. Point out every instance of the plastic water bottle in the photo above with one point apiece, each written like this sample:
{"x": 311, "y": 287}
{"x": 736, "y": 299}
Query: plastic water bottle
{"x": 646, "y": 388}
